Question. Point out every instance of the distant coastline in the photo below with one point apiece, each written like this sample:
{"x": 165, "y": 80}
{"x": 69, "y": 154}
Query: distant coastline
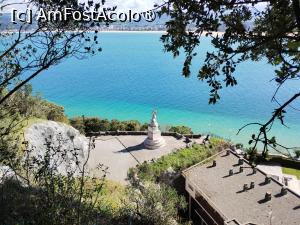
{"x": 152, "y": 31}
{"x": 118, "y": 31}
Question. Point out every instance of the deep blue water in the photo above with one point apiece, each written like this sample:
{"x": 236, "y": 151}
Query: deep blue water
{"x": 133, "y": 75}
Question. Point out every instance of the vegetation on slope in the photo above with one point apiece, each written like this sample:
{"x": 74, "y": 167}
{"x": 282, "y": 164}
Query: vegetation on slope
{"x": 25, "y": 105}
{"x": 19, "y": 111}
{"x": 103, "y": 201}
{"x": 95, "y": 124}
{"x": 178, "y": 160}
{"x": 45, "y": 196}
{"x": 155, "y": 204}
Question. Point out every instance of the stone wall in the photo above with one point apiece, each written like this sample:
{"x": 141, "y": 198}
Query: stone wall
{"x": 138, "y": 133}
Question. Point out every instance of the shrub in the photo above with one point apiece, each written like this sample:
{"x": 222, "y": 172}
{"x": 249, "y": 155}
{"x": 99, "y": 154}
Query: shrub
{"x": 104, "y": 125}
{"x": 132, "y": 125}
{"x": 117, "y": 125}
{"x": 181, "y": 129}
{"x": 78, "y": 123}
{"x": 144, "y": 127}
{"x": 153, "y": 204}
{"x": 57, "y": 114}
{"x": 92, "y": 125}
{"x": 27, "y": 105}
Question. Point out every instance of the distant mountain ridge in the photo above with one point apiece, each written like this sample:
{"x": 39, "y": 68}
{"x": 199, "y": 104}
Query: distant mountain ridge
{"x": 159, "y": 24}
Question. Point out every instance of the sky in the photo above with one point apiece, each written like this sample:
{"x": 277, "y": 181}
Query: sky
{"x": 134, "y": 5}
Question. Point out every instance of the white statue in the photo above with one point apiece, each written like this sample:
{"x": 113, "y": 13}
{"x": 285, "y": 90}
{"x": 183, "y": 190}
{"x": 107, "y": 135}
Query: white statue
{"x": 153, "y": 122}
{"x": 154, "y": 139}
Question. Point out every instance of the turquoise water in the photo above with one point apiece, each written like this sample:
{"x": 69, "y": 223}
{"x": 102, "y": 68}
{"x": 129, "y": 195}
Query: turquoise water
{"x": 133, "y": 76}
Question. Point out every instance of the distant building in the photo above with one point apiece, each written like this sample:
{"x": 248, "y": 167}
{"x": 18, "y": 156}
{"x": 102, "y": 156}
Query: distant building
{"x": 226, "y": 190}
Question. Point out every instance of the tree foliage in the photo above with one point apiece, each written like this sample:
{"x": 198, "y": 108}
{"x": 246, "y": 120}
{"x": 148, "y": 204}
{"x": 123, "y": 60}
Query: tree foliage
{"x": 253, "y": 29}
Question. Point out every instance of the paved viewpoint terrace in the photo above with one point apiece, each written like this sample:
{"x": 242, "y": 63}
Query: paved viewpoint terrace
{"x": 120, "y": 153}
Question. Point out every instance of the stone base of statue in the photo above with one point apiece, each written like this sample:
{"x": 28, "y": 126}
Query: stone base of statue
{"x": 154, "y": 139}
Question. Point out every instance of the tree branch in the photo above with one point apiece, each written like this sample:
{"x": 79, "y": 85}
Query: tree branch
{"x": 296, "y": 6}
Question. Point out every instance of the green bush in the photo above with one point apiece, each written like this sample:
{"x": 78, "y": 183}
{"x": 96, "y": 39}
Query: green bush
{"x": 55, "y": 113}
{"x": 104, "y": 125}
{"x": 92, "y": 124}
{"x": 144, "y": 127}
{"x": 153, "y": 204}
{"x": 117, "y": 125}
{"x": 132, "y": 125}
{"x": 27, "y": 105}
{"x": 78, "y": 123}
{"x": 181, "y": 129}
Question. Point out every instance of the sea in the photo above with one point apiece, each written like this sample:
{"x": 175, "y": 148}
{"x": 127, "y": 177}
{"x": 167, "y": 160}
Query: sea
{"x": 133, "y": 76}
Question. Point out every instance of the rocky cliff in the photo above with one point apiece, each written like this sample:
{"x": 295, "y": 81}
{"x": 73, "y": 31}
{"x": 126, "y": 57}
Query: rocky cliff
{"x": 64, "y": 144}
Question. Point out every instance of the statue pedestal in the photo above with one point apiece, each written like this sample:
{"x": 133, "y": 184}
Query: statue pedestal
{"x": 154, "y": 139}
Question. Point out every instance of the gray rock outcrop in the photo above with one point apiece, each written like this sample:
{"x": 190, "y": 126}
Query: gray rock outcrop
{"x": 65, "y": 145}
